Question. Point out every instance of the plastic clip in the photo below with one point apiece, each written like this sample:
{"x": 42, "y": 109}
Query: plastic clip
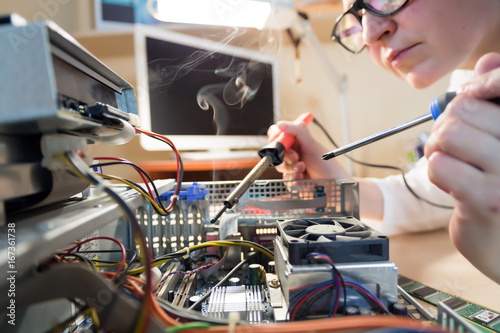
{"x": 187, "y": 253}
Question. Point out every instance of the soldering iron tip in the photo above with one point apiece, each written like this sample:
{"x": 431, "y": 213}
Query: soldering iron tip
{"x": 218, "y": 215}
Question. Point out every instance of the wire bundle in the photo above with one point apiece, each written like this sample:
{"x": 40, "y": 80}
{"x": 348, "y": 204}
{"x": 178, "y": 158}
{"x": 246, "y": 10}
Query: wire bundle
{"x": 188, "y": 320}
{"x": 80, "y": 169}
{"x": 307, "y": 297}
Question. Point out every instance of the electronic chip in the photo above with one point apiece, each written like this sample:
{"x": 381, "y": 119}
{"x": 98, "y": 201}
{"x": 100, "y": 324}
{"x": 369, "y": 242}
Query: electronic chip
{"x": 424, "y": 291}
{"x": 403, "y": 280}
{"x": 455, "y": 303}
{"x": 486, "y": 316}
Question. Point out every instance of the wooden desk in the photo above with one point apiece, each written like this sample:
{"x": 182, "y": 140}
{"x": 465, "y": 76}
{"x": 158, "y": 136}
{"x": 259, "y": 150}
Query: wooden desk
{"x": 207, "y": 170}
{"x": 430, "y": 258}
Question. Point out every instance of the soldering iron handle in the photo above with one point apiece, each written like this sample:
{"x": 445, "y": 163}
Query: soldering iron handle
{"x": 277, "y": 148}
{"x": 286, "y": 139}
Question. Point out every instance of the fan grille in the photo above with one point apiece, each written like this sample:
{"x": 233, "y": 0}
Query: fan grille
{"x": 343, "y": 239}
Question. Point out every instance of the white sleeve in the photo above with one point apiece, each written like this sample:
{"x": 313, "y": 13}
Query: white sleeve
{"x": 403, "y": 212}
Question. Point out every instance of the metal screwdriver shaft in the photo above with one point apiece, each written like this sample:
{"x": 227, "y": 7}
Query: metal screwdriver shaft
{"x": 376, "y": 137}
{"x": 437, "y": 106}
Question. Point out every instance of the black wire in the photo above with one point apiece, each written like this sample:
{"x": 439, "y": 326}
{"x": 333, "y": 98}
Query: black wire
{"x": 336, "y": 271}
{"x": 171, "y": 256}
{"x": 133, "y": 220}
{"x": 253, "y": 244}
{"x": 343, "y": 286}
{"x": 369, "y": 300}
{"x": 78, "y": 256}
{"x": 307, "y": 304}
{"x": 383, "y": 167}
{"x": 201, "y": 246}
{"x": 131, "y": 260}
{"x": 138, "y": 169}
{"x": 158, "y": 211}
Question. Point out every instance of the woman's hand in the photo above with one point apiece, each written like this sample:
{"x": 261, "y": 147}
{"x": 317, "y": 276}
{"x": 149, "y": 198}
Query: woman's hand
{"x": 464, "y": 160}
{"x": 303, "y": 159}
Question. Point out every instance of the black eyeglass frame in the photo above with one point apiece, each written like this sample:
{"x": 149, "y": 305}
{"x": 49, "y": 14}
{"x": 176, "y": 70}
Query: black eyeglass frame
{"x": 355, "y": 8}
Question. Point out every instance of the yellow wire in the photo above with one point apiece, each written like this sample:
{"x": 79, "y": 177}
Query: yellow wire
{"x": 142, "y": 244}
{"x": 202, "y": 245}
{"x": 93, "y": 314}
{"x": 70, "y": 165}
{"x": 110, "y": 265}
{"x": 138, "y": 189}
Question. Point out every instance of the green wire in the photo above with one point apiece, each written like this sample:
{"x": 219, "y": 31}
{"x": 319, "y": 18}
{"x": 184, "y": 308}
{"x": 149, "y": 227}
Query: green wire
{"x": 196, "y": 324}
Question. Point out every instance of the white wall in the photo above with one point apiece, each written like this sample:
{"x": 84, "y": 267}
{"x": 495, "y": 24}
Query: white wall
{"x": 376, "y": 100}
{"x": 72, "y": 15}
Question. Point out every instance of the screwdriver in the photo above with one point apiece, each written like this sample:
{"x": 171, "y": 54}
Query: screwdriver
{"x": 437, "y": 107}
{"x": 271, "y": 155}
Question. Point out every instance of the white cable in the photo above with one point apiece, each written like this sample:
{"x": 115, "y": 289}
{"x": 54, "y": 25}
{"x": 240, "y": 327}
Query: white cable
{"x": 126, "y": 134}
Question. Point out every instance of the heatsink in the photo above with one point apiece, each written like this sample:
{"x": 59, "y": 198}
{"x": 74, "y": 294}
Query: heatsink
{"x": 248, "y": 301}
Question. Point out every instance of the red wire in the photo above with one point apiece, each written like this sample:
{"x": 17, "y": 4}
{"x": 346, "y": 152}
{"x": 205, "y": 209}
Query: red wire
{"x": 144, "y": 179}
{"x": 177, "y": 155}
{"x": 337, "y": 279}
{"x": 364, "y": 292}
{"x": 124, "y": 252}
{"x": 306, "y": 297}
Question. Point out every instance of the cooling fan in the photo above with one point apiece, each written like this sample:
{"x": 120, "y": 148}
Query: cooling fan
{"x": 343, "y": 239}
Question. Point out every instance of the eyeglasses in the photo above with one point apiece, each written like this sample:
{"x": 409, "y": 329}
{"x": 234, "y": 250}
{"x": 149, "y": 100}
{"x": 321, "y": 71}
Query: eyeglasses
{"x": 348, "y": 29}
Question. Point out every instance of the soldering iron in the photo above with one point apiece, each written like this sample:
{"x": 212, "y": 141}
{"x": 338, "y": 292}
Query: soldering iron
{"x": 437, "y": 106}
{"x": 271, "y": 155}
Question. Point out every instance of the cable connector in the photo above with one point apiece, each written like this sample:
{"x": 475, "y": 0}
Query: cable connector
{"x": 186, "y": 256}
{"x": 53, "y": 145}
{"x": 134, "y": 120}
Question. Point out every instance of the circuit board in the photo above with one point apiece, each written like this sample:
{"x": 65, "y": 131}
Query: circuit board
{"x": 485, "y": 319}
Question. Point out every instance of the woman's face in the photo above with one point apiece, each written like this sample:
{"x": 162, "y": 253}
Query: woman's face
{"x": 428, "y": 39}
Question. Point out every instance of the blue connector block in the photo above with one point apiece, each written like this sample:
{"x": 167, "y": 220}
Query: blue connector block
{"x": 190, "y": 194}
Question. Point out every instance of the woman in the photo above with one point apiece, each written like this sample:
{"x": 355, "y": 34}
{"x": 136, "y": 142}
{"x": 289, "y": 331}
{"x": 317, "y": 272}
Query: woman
{"x": 421, "y": 41}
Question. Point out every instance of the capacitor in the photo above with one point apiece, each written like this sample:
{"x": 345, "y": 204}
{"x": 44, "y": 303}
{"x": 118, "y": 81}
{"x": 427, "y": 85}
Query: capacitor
{"x": 254, "y": 274}
{"x": 391, "y": 301}
{"x": 400, "y": 309}
{"x": 351, "y": 311}
{"x": 234, "y": 281}
{"x": 366, "y": 312}
{"x": 193, "y": 299}
{"x": 271, "y": 267}
{"x": 170, "y": 296}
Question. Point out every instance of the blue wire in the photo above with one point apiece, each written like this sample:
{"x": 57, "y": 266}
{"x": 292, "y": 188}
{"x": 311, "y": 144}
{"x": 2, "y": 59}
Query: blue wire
{"x": 337, "y": 293}
{"x": 335, "y": 280}
{"x": 369, "y": 293}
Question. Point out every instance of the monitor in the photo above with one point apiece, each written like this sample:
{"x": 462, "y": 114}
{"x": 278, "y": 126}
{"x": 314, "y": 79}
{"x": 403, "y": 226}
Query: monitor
{"x": 213, "y": 100}
{"x": 121, "y": 14}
